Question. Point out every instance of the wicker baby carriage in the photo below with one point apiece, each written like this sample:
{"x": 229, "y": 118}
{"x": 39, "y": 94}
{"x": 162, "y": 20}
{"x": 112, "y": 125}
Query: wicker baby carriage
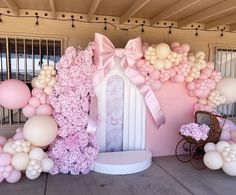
{"x": 190, "y": 150}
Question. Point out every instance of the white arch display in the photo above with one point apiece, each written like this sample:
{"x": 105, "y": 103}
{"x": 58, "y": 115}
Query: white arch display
{"x": 134, "y": 114}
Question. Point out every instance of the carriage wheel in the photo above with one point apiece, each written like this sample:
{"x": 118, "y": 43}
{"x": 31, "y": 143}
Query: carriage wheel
{"x": 183, "y": 150}
{"x": 197, "y": 157}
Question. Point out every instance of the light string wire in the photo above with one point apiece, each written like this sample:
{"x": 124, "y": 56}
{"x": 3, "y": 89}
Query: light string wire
{"x": 117, "y": 27}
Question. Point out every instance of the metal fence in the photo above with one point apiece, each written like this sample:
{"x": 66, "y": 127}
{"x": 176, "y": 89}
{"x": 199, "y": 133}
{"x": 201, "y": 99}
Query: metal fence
{"x": 225, "y": 62}
{"x": 21, "y": 58}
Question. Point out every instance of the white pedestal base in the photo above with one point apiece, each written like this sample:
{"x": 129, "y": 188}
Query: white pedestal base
{"x": 121, "y": 163}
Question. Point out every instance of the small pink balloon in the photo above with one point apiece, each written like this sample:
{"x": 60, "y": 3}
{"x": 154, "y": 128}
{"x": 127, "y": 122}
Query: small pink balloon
{"x": 19, "y": 134}
{"x": 139, "y": 63}
{"x": 6, "y": 174}
{"x": 9, "y": 168}
{"x": 191, "y": 86}
{"x": 210, "y": 65}
{"x": 185, "y": 47}
{"x": 3, "y": 140}
{"x": 36, "y": 91}
{"x": 174, "y": 44}
{"x": 14, "y": 94}
{"x": 44, "y": 109}
{"x": 5, "y": 159}
{"x": 156, "y": 85}
{"x": 29, "y": 111}
{"x": 1, "y": 149}
{"x": 179, "y": 78}
{"x": 155, "y": 74}
{"x": 14, "y": 176}
{"x": 198, "y": 93}
{"x": 34, "y": 102}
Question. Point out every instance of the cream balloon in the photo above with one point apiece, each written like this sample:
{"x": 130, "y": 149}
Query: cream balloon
{"x": 31, "y": 176}
{"x": 209, "y": 147}
{"x": 20, "y": 161}
{"x": 37, "y": 154}
{"x": 47, "y": 164}
{"x": 40, "y": 130}
{"x": 8, "y": 147}
{"x": 221, "y": 145}
{"x": 226, "y": 87}
{"x": 162, "y": 50}
{"x": 230, "y": 168}
{"x": 213, "y": 160}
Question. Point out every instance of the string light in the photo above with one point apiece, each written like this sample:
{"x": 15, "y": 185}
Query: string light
{"x": 170, "y": 27}
{"x": 37, "y": 20}
{"x": 196, "y": 32}
{"x": 142, "y": 27}
{"x": 117, "y": 26}
{"x": 222, "y": 33}
{"x": 72, "y": 23}
{"x": 105, "y": 25}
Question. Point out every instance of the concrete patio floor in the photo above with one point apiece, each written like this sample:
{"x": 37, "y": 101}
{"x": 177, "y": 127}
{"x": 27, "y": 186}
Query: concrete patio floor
{"x": 166, "y": 176}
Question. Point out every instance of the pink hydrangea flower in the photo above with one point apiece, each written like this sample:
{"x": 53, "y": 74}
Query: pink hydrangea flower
{"x": 74, "y": 150}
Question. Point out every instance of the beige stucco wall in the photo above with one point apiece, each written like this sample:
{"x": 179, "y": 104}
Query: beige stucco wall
{"x": 84, "y": 32}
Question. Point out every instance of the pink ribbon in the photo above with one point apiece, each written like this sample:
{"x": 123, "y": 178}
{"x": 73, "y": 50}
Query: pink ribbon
{"x": 105, "y": 56}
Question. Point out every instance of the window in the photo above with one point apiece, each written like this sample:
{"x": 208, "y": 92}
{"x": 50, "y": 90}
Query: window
{"x": 225, "y": 62}
{"x": 21, "y": 58}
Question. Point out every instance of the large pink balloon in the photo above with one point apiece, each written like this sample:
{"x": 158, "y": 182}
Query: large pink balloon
{"x": 14, "y": 94}
{"x": 14, "y": 176}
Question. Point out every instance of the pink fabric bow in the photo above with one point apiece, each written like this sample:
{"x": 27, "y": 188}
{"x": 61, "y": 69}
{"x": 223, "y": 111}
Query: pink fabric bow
{"x": 105, "y": 57}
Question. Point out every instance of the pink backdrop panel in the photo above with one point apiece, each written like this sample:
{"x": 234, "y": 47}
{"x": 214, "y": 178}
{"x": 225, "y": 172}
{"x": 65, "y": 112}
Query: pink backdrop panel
{"x": 177, "y": 107}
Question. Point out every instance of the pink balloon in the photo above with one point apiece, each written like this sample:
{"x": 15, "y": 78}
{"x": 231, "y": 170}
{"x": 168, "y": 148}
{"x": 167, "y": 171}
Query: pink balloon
{"x": 36, "y": 91}
{"x": 14, "y": 176}
{"x": 5, "y": 159}
{"x": 35, "y": 102}
{"x": 1, "y": 149}
{"x": 191, "y": 86}
{"x": 210, "y": 65}
{"x": 174, "y": 44}
{"x": 3, "y": 140}
{"x": 198, "y": 93}
{"x": 14, "y": 94}
{"x": 44, "y": 109}
{"x": 19, "y": 134}
{"x": 179, "y": 78}
{"x": 185, "y": 47}
{"x": 29, "y": 111}
{"x": 155, "y": 74}
{"x": 156, "y": 85}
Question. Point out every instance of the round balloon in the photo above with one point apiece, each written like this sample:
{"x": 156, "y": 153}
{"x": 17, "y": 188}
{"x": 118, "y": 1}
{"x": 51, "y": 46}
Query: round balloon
{"x": 40, "y": 130}
{"x": 20, "y": 161}
{"x": 14, "y": 176}
{"x": 14, "y": 94}
{"x": 226, "y": 87}
{"x": 213, "y": 160}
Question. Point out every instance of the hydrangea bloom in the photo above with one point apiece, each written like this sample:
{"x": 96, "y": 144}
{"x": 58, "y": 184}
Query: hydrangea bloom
{"x": 195, "y": 131}
{"x": 74, "y": 150}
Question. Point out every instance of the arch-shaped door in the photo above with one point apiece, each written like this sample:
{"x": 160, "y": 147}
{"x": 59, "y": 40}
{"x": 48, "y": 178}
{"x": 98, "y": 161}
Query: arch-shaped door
{"x": 122, "y": 112}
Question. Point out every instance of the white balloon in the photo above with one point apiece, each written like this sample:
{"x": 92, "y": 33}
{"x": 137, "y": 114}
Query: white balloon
{"x": 209, "y": 147}
{"x": 213, "y": 160}
{"x": 37, "y": 154}
{"x": 47, "y": 164}
{"x": 226, "y": 86}
{"x": 230, "y": 168}
{"x": 20, "y": 161}
{"x": 31, "y": 176}
{"x": 40, "y": 130}
{"x": 8, "y": 147}
{"x": 221, "y": 145}
{"x": 162, "y": 50}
